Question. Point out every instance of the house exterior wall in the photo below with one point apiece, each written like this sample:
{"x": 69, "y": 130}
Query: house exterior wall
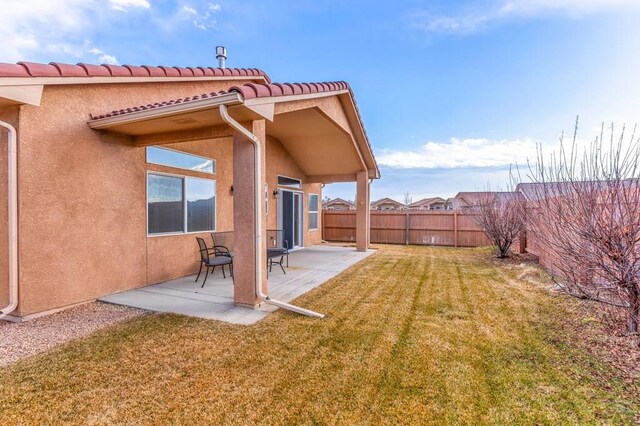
{"x": 82, "y": 197}
{"x": 280, "y": 163}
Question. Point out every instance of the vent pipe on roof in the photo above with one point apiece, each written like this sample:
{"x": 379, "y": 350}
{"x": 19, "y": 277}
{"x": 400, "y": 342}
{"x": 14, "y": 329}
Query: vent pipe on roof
{"x": 221, "y": 56}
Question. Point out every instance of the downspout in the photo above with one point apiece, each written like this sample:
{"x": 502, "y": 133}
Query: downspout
{"x": 12, "y": 190}
{"x": 224, "y": 113}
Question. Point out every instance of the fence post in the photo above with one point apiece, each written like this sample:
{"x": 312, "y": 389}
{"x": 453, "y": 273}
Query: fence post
{"x": 322, "y": 224}
{"x": 455, "y": 229}
{"x": 406, "y": 228}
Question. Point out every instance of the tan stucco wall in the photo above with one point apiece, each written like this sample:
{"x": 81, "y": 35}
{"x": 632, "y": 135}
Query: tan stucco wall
{"x": 82, "y": 206}
{"x": 83, "y": 198}
{"x": 175, "y": 256}
{"x": 280, "y": 163}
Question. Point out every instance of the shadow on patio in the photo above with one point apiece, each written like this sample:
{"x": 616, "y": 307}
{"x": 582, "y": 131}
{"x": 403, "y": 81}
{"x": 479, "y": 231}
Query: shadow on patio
{"x": 308, "y": 268}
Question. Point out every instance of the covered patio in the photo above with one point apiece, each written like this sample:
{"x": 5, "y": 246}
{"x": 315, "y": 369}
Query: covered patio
{"x": 308, "y": 268}
{"x": 311, "y": 132}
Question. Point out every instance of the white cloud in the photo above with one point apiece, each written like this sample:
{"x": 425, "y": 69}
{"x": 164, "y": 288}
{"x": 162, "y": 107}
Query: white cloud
{"x": 467, "y": 24}
{"x": 125, "y": 5}
{"x": 47, "y": 30}
{"x": 512, "y": 9}
{"x": 34, "y": 26}
{"x": 108, "y": 59}
{"x": 206, "y": 19}
{"x": 101, "y": 56}
{"x": 461, "y": 153}
{"x": 536, "y": 7}
{"x": 190, "y": 10}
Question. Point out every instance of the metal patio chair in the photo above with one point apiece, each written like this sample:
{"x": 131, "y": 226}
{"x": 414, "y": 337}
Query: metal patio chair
{"x": 210, "y": 258}
{"x": 220, "y": 250}
{"x": 277, "y": 249}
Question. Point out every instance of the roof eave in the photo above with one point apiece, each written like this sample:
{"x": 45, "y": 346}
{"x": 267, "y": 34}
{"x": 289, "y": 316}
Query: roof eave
{"x": 160, "y": 112}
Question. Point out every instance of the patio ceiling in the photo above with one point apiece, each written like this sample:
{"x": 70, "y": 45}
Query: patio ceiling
{"x": 321, "y": 131}
{"x": 320, "y": 147}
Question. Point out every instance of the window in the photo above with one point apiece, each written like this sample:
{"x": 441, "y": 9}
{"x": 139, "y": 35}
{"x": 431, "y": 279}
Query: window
{"x": 313, "y": 211}
{"x": 201, "y": 205}
{"x": 165, "y": 204}
{"x": 290, "y": 182}
{"x": 178, "y": 204}
{"x": 180, "y": 160}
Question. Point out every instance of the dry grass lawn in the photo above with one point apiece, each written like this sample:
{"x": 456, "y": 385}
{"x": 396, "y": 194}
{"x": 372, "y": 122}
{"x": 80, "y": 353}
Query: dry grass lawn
{"x": 414, "y": 335}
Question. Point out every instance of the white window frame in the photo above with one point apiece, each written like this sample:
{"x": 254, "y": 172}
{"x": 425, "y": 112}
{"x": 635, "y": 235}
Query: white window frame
{"x": 299, "y": 188}
{"x": 184, "y": 203}
{"x": 146, "y": 155}
{"x": 317, "y": 211}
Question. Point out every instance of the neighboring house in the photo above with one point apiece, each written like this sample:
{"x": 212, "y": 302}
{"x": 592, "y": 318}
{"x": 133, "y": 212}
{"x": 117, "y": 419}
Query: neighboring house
{"x": 535, "y": 191}
{"x": 448, "y": 204}
{"x": 387, "y": 204}
{"x": 434, "y": 203}
{"x": 120, "y": 167}
{"x": 469, "y": 200}
{"x": 338, "y": 204}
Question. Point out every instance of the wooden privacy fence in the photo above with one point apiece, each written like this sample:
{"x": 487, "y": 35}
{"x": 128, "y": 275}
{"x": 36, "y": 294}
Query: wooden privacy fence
{"x": 437, "y": 228}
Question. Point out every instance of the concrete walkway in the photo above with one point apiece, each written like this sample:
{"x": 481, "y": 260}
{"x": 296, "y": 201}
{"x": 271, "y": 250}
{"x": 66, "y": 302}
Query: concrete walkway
{"x": 308, "y": 268}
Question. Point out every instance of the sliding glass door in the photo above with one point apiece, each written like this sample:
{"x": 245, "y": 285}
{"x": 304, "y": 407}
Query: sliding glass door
{"x": 290, "y": 210}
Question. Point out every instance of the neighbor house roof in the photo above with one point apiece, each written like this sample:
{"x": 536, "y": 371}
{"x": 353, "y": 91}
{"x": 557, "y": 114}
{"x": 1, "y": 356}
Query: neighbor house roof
{"x": 537, "y": 190}
{"x": 338, "y": 201}
{"x": 57, "y": 69}
{"x": 427, "y": 202}
{"x": 387, "y": 201}
{"x": 466, "y": 199}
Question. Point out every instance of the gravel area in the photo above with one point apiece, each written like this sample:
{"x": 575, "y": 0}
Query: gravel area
{"x": 20, "y": 340}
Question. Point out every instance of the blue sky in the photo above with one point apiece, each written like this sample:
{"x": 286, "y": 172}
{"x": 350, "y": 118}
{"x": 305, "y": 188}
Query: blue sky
{"x": 451, "y": 93}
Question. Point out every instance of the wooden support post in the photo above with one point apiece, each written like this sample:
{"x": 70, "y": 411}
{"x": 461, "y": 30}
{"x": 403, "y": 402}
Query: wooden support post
{"x": 407, "y": 228}
{"x": 455, "y": 229}
{"x": 362, "y": 212}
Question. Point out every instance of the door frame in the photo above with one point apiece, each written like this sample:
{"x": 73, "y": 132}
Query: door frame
{"x": 279, "y": 216}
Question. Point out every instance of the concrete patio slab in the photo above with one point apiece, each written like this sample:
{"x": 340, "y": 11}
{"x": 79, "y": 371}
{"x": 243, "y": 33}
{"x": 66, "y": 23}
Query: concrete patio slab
{"x": 308, "y": 268}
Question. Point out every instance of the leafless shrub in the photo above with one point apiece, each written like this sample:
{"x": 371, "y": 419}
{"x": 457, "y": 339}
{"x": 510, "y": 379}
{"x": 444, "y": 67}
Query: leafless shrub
{"x": 500, "y": 215}
{"x": 584, "y": 213}
{"x": 408, "y": 199}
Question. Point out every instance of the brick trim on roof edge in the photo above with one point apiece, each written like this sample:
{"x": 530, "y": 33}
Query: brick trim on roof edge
{"x": 57, "y": 69}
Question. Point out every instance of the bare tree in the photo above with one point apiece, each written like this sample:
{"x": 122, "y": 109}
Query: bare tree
{"x": 500, "y": 215}
{"x": 408, "y": 199}
{"x": 584, "y": 216}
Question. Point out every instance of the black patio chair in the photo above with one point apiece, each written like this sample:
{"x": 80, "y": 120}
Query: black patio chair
{"x": 218, "y": 249}
{"x": 210, "y": 258}
{"x": 277, "y": 249}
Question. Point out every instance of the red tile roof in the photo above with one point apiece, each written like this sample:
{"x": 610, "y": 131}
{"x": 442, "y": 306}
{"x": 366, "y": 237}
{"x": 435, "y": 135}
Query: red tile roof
{"x": 248, "y": 91}
{"x": 56, "y": 69}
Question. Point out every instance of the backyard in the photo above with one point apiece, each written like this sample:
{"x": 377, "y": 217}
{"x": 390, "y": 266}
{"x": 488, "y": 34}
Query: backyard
{"x": 412, "y": 335}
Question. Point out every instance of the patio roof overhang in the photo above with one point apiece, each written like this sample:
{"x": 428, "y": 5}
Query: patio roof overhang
{"x": 322, "y": 132}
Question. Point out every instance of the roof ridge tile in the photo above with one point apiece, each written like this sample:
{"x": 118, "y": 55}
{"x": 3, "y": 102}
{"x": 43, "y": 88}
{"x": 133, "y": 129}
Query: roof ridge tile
{"x": 59, "y": 69}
